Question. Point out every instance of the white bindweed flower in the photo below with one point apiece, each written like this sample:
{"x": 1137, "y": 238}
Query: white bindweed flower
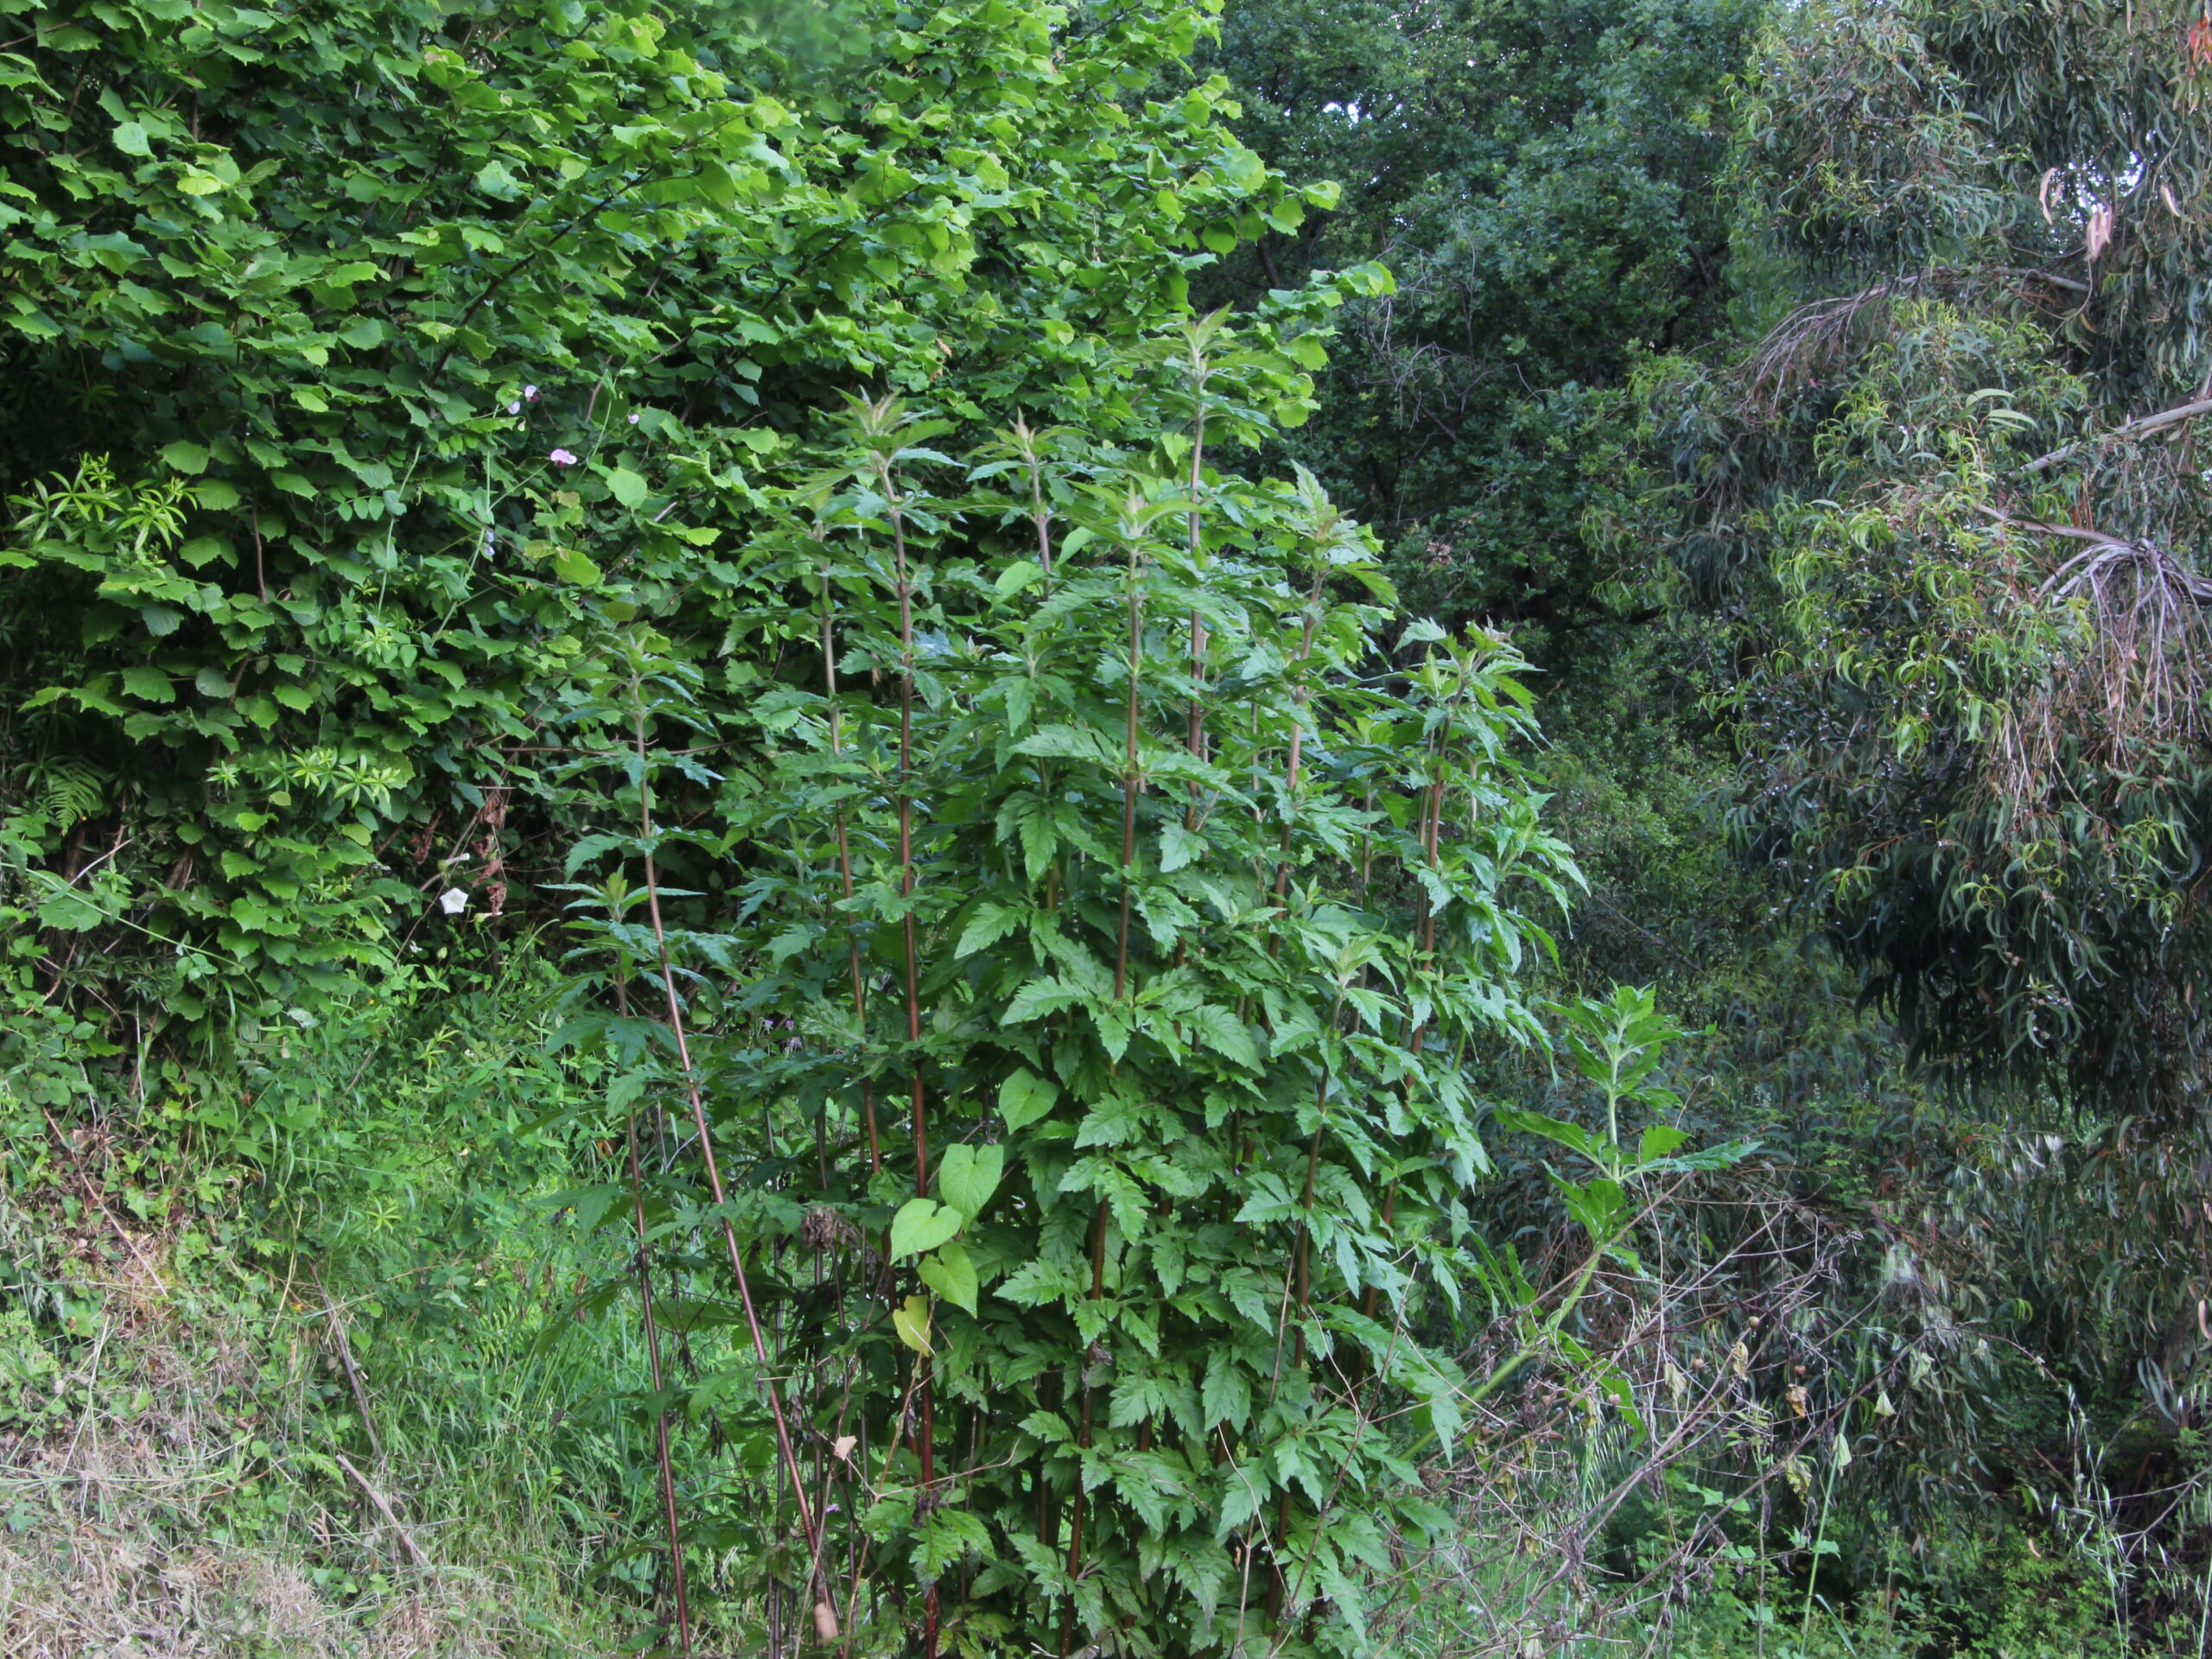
{"x": 454, "y": 901}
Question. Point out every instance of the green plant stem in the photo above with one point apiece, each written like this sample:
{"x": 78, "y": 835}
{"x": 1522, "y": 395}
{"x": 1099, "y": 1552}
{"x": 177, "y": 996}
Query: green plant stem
{"x": 1039, "y": 514}
{"x": 1312, "y": 1170}
{"x": 1546, "y": 1334}
{"x": 1820, "y": 1537}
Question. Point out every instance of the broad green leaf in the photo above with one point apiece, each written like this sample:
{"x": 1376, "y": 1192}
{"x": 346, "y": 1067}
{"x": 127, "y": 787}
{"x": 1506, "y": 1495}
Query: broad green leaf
{"x": 150, "y": 683}
{"x": 186, "y": 457}
{"x": 922, "y": 1224}
{"x": 1024, "y": 1097}
{"x": 969, "y": 1176}
{"x": 1017, "y": 577}
{"x": 951, "y": 1275}
{"x": 911, "y": 1320}
{"x": 72, "y": 912}
{"x": 625, "y": 487}
{"x": 574, "y": 566}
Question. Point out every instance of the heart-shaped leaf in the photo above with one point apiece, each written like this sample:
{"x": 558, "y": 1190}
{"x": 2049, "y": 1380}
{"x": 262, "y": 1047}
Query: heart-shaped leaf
{"x": 970, "y": 1175}
{"x": 1025, "y": 1097}
{"x": 951, "y": 1275}
{"x": 921, "y": 1225}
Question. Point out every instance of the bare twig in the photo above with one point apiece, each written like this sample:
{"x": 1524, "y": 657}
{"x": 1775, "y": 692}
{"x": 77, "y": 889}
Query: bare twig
{"x": 384, "y": 1508}
{"x": 2142, "y": 427}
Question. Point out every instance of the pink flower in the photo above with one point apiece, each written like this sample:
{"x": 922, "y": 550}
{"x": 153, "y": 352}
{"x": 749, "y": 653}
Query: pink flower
{"x": 529, "y": 394}
{"x": 561, "y": 458}
{"x": 514, "y": 408}
{"x": 633, "y": 419}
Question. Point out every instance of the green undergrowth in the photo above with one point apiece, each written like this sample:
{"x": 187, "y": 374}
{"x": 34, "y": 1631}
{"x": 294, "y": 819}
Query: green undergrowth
{"x": 331, "y": 1398}
{"x": 280, "y": 1380}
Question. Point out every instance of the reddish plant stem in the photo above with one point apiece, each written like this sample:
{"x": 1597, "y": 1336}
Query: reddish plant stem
{"x": 1082, "y": 1435}
{"x": 1197, "y": 733}
{"x": 1389, "y": 1213}
{"x": 660, "y": 1417}
{"x": 1130, "y": 777}
{"x": 845, "y": 873}
{"x": 925, "y": 1435}
{"x": 706, "y": 1141}
{"x": 1291, "y": 772}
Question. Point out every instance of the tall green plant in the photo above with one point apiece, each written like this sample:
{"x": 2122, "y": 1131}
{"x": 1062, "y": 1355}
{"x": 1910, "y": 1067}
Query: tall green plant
{"x": 1118, "y": 1344}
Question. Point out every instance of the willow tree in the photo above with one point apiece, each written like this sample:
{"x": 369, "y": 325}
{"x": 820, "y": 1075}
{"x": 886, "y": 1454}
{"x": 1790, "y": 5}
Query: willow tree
{"x": 1950, "y": 492}
{"x": 1956, "y": 476}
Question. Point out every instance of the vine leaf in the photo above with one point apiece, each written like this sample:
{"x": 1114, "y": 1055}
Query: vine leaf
{"x": 951, "y": 1275}
{"x": 969, "y": 1176}
{"x": 921, "y": 1225}
{"x": 911, "y": 1322}
{"x": 1025, "y": 1097}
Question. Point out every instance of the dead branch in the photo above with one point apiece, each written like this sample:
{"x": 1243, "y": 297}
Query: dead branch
{"x": 2141, "y": 426}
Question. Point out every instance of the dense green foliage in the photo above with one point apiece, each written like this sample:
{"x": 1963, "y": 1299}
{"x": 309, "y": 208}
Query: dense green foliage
{"x": 1537, "y": 175}
{"x": 1944, "y": 273}
{"x": 1975, "y": 703}
{"x": 414, "y": 414}
{"x": 723, "y": 838}
{"x": 376, "y": 347}
{"x": 1168, "y": 929}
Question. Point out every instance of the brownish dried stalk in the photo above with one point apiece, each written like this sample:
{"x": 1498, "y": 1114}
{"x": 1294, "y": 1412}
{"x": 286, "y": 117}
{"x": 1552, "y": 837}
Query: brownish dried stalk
{"x": 1819, "y": 335}
{"x": 1697, "y": 1352}
{"x": 2142, "y": 427}
{"x": 660, "y": 1416}
{"x": 676, "y": 1025}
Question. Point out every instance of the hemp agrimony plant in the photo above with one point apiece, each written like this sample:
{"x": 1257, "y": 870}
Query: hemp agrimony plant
{"x": 1080, "y": 1070}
